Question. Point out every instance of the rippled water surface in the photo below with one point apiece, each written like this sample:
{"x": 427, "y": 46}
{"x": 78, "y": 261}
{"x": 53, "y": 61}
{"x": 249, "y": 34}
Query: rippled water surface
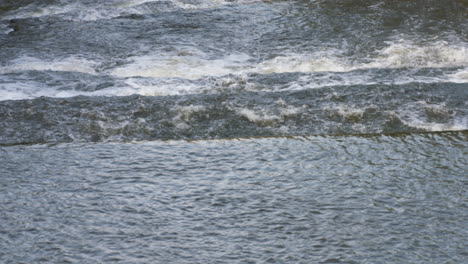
{"x": 367, "y": 199}
{"x": 233, "y": 131}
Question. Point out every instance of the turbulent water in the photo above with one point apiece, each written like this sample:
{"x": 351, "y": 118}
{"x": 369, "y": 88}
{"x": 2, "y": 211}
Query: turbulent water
{"x": 216, "y": 69}
{"x": 356, "y": 113}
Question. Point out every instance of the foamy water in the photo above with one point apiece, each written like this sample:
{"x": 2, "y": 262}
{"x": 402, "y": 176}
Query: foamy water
{"x": 432, "y": 117}
{"x": 81, "y": 12}
{"x": 186, "y": 67}
{"x": 70, "y": 64}
{"x": 461, "y": 76}
{"x": 396, "y": 55}
{"x": 192, "y": 71}
{"x": 190, "y": 66}
{"x": 194, "y": 64}
{"x": 435, "y": 55}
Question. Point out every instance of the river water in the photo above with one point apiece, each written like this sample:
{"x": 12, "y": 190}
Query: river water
{"x": 216, "y": 131}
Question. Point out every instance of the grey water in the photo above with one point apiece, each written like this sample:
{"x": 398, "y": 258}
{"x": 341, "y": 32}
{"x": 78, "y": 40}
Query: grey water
{"x": 352, "y": 199}
{"x": 224, "y": 131}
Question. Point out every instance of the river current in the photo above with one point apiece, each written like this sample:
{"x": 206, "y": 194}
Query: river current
{"x": 224, "y": 131}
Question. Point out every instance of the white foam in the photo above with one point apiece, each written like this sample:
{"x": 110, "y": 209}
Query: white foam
{"x": 439, "y": 54}
{"x": 400, "y": 54}
{"x": 111, "y": 10}
{"x": 131, "y": 3}
{"x": 202, "y": 4}
{"x": 32, "y": 11}
{"x": 160, "y": 74}
{"x": 107, "y": 10}
{"x": 25, "y": 90}
{"x": 188, "y": 65}
{"x": 459, "y": 125}
{"x": 185, "y": 114}
{"x": 259, "y": 116}
{"x": 350, "y": 112}
{"x": 18, "y": 91}
{"x": 194, "y": 64}
{"x": 461, "y": 76}
{"x": 269, "y": 117}
{"x": 76, "y": 11}
{"x": 70, "y": 64}
{"x": 318, "y": 62}
{"x": 161, "y": 87}
{"x": 421, "y": 115}
{"x": 33, "y": 89}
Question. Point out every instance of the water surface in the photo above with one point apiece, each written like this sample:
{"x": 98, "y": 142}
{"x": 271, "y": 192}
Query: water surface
{"x": 367, "y": 199}
{"x": 233, "y": 131}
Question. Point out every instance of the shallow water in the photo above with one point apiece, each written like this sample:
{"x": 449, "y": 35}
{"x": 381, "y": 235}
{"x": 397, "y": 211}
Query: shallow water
{"x": 322, "y": 111}
{"x": 214, "y": 131}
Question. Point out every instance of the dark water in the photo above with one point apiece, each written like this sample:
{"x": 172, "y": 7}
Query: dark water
{"x": 299, "y": 131}
{"x": 321, "y": 111}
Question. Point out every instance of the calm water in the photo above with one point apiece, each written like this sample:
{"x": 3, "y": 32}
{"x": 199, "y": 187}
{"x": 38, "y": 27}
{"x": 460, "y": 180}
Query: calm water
{"x": 367, "y": 199}
{"x": 224, "y": 131}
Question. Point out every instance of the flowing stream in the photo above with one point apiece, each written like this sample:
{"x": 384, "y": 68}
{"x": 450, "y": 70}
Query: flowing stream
{"x": 233, "y": 131}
